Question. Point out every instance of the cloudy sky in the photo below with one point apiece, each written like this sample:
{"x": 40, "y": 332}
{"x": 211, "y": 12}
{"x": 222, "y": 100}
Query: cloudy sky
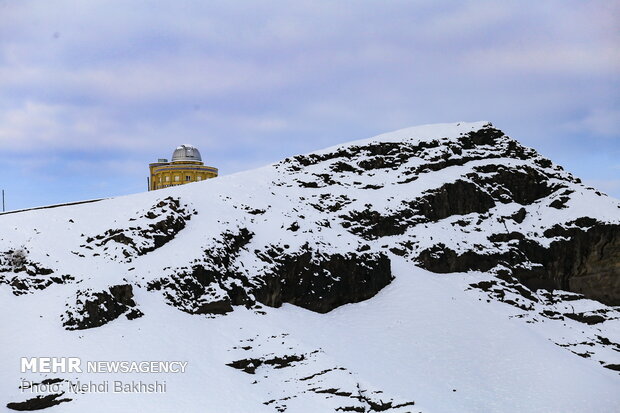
{"x": 92, "y": 91}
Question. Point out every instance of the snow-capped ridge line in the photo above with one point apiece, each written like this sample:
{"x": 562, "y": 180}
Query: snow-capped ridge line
{"x": 311, "y": 284}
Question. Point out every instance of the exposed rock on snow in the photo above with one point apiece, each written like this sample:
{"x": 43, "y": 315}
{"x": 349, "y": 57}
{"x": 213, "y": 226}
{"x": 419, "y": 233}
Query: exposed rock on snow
{"x": 250, "y": 365}
{"x": 301, "y": 377}
{"x": 581, "y": 255}
{"x": 213, "y": 284}
{"x": 322, "y": 282}
{"x": 94, "y": 309}
{"x": 457, "y": 198}
{"x": 307, "y": 278}
{"x": 169, "y": 217}
{"x": 38, "y": 402}
{"x": 583, "y": 259}
{"x": 336, "y": 227}
{"x": 23, "y": 275}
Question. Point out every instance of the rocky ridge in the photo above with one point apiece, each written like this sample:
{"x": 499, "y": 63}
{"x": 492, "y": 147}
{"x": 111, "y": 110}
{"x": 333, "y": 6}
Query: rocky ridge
{"x": 322, "y": 230}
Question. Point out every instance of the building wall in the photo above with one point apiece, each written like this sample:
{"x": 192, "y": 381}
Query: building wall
{"x": 164, "y": 175}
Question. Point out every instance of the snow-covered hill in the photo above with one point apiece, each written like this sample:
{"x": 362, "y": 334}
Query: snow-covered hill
{"x": 441, "y": 268}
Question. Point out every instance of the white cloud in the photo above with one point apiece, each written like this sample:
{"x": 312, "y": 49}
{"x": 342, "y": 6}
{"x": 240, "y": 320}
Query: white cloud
{"x": 39, "y": 127}
{"x": 587, "y": 59}
{"x": 599, "y": 122}
{"x": 260, "y": 80}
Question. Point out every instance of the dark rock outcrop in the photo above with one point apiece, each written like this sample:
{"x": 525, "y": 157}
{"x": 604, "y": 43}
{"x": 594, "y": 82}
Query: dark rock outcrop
{"x": 454, "y": 198}
{"x": 585, "y": 261}
{"x": 38, "y": 403}
{"x": 295, "y": 374}
{"x": 582, "y": 260}
{"x": 442, "y": 259}
{"x": 170, "y": 218}
{"x": 521, "y": 184}
{"x": 94, "y": 309}
{"x": 195, "y": 292}
{"x": 316, "y": 281}
{"x": 23, "y": 275}
{"x": 212, "y": 285}
{"x": 371, "y": 224}
{"x": 322, "y": 282}
{"x": 250, "y": 365}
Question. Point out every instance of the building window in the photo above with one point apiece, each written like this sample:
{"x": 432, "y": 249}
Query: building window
{"x": 188, "y": 178}
{"x": 199, "y": 178}
{"x": 177, "y": 178}
{"x": 167, "y": 179}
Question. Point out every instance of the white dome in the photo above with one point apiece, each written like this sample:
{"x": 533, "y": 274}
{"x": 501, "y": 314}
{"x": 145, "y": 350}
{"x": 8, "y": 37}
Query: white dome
{"x": 186, "y": 153}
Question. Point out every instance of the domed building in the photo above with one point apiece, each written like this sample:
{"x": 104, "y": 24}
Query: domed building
{"x": 186, "y": 166}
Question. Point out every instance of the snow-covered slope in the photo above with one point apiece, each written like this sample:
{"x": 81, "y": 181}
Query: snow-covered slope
{"x": 306, "y": 286}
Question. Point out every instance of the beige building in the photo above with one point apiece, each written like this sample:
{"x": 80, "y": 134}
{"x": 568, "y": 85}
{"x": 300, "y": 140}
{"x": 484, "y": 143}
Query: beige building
{"x": 186, "y": 166}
